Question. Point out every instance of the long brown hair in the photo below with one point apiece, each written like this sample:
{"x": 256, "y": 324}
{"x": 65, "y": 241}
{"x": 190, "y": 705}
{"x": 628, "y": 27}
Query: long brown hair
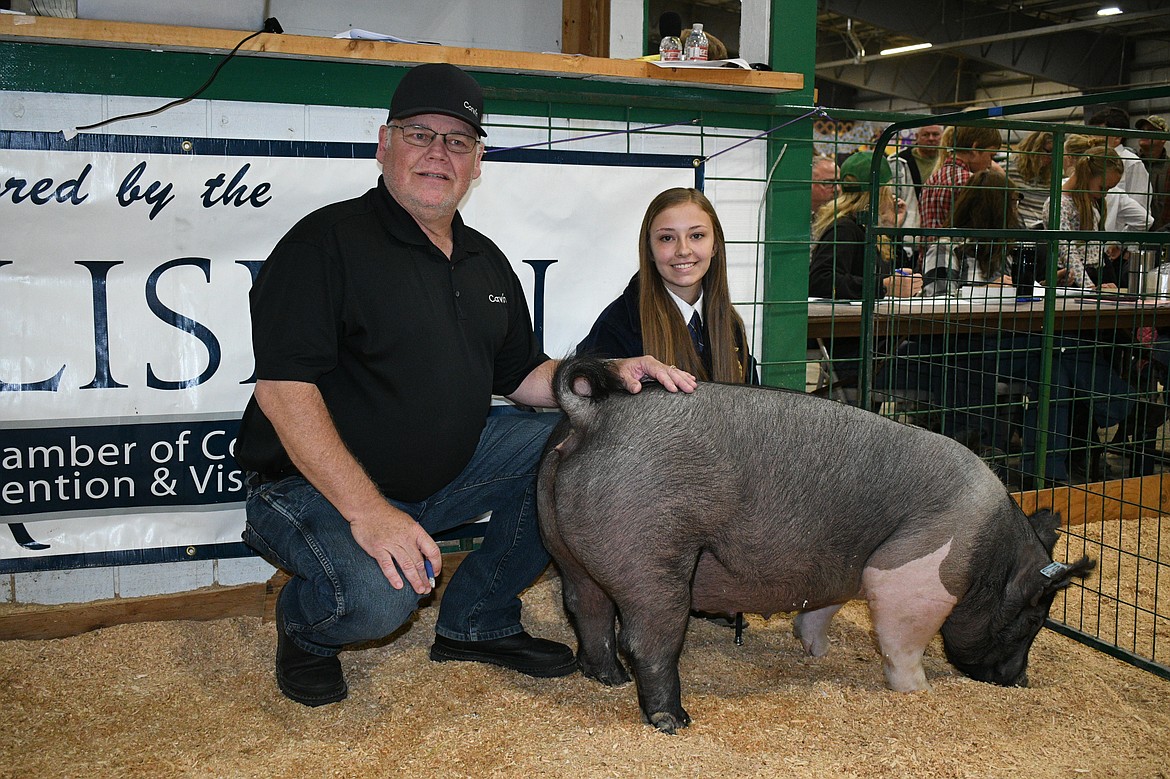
{"x": 1034, "y": 159}
{"x": 1089, "y": 159}
{"x": 855, "y": 204}
{"x": 664, "y": 333}
{"x": 987, "y": 202}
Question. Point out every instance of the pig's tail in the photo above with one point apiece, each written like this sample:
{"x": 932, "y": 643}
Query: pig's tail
{"x": 580, "y": 383}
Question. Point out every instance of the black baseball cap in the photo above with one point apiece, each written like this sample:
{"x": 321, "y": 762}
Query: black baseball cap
{"x": 438, "y": 88}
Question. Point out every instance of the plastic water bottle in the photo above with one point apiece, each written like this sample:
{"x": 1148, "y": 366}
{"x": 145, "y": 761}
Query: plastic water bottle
{"x": 670, "y": 50}
{"x": 696, "y": 48}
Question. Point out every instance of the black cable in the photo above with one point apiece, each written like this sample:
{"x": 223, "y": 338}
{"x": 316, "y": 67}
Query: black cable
{"x": 270, "y": 25}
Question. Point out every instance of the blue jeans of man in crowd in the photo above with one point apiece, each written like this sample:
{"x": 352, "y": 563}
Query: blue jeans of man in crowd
{"x": 1077, "y": 373}
{"x": 338, "y": 595}
{"x": 952, "y": 370}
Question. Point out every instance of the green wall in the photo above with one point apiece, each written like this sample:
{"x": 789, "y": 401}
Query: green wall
{"x": 793, "y": 50}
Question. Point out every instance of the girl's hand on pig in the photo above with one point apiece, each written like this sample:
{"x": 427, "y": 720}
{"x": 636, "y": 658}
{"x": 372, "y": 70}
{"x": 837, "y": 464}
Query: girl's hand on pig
{"x": 634, "y": 369}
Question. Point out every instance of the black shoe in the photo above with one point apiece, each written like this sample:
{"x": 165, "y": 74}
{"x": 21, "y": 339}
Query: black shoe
{"x": 305, "y": 677}
{"x": 521, "y": 652}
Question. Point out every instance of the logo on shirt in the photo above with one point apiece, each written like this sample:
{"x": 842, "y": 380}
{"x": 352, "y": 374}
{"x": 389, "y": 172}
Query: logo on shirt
{"x": 497, "y": 298}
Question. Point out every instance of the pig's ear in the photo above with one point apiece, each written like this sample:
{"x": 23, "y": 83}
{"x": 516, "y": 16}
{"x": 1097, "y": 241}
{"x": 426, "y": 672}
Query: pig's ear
{"x": 1055, "y": 576}
{"x": 1046, "y": 524}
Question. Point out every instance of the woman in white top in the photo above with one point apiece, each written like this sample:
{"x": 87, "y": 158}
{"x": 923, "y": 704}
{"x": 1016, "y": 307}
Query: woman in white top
{"x": 1123, "y": 213}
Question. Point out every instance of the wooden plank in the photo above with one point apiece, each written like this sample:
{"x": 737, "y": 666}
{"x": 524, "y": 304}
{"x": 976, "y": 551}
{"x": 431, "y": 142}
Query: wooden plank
{"x": 1102, "y": 501}
{"x": 35, "y": 622}
{"x": 840, "y": 319}
{"x": 41, "y": 29}
{"x": 245, "y": 600}
{"x": 585, "y": 27}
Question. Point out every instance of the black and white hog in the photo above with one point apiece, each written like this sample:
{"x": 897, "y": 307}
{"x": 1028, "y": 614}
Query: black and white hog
{"x": 739, "y": 498}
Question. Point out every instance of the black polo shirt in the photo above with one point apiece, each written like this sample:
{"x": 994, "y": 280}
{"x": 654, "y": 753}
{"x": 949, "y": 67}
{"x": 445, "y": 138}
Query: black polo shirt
{"x": 406, "y": 347}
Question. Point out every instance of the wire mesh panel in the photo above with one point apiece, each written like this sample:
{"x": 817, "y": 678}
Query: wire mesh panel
{"x": 1014, "y": 294}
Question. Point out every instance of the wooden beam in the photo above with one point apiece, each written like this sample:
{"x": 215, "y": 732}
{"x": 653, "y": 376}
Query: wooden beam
{"x": 42, "y": 29}
{"x": 1108, "y": 501}
{"x": 585, "y": 27}
{"x": 71, "y": 619}
{"x": 245, "y": 600}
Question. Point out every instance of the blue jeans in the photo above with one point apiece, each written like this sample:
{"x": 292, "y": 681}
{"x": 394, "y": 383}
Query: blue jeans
{"x": 1078, "y": 373}
{"x": 337, "y": 594}
{"x": 952, "y": 370}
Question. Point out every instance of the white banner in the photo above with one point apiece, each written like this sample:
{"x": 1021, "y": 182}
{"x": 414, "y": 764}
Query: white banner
{"x": 125, "y": 353}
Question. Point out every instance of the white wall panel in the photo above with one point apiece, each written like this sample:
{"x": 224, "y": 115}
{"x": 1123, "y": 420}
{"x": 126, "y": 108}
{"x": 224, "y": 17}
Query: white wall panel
{"x": 73, "y": 586}
{"x": 134, "y": 581}
{"x": 625, "y": 29}
{"x": 242, "y": 570}
{"x": 514, "y": 25}
{"x": 38, "y": 112}
{"x": 352, "y": 125}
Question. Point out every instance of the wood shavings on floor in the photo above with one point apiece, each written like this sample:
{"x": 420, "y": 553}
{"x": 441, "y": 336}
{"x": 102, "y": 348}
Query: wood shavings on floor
{"x": 182, "y": 699}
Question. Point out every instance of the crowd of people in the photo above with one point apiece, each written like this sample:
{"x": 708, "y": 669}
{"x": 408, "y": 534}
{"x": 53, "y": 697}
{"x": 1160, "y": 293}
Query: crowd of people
{"x": 965, "y": 178}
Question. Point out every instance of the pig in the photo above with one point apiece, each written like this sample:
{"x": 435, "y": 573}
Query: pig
{"x": 758, "y": 500}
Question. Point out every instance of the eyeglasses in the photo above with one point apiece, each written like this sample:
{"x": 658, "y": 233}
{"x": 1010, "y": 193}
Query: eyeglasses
{"x": 417, "y": 135}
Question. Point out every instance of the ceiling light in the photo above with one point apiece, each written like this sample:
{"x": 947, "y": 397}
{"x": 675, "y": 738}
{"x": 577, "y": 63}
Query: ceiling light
{"x": 904, "y": 49}
{"x": 1110, "y": 11}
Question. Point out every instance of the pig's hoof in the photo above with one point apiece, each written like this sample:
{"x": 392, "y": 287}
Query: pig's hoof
{"x": 814, "y": 640}
{"x": 669, "y": 722}
{"x": 611, "y": 676}
{"x": 815, "y": 647}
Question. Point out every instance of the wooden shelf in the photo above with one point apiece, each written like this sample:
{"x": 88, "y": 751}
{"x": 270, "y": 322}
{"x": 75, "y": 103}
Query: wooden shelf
{"x": 42, "y": 29}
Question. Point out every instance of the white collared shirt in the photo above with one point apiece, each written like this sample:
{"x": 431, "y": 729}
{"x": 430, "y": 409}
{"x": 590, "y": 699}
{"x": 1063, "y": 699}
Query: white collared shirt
{"x": 685, "y": 308}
